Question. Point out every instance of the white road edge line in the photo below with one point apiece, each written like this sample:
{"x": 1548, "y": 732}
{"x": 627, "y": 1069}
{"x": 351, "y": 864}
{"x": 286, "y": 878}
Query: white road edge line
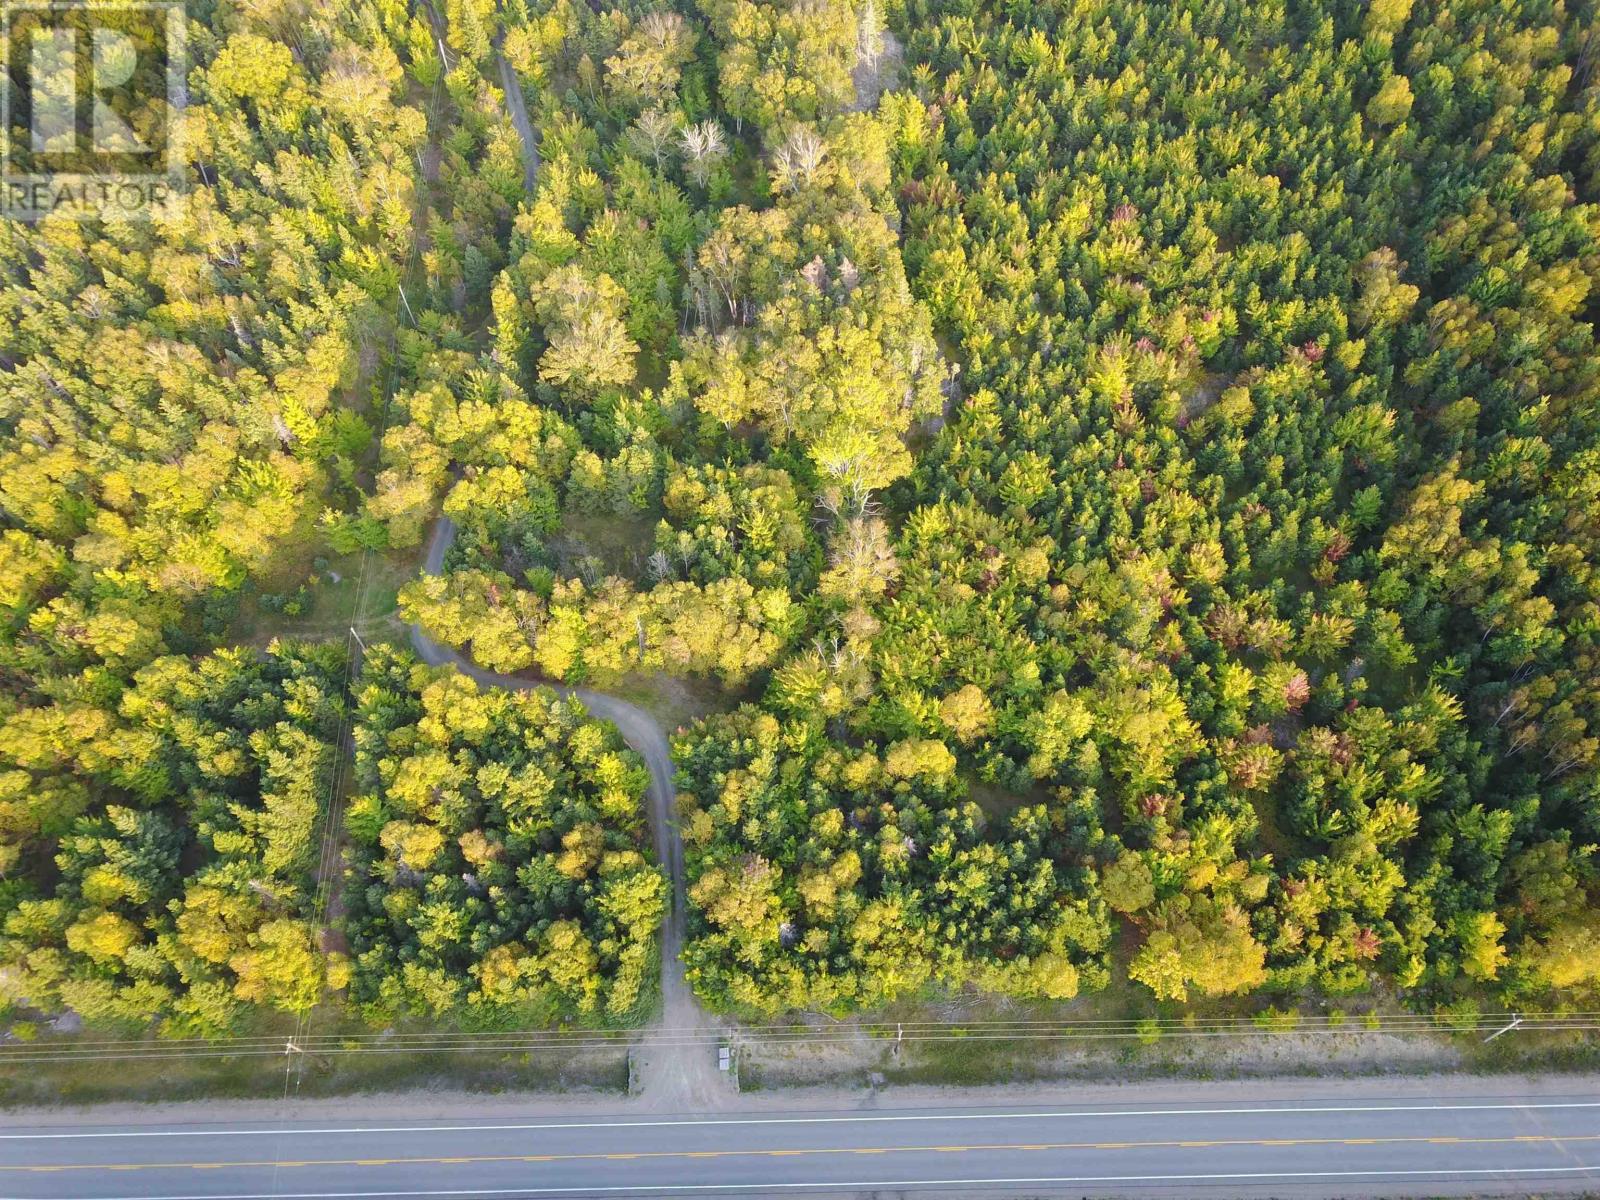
{"x": 853, "y": 1184}
{"x": 850, "y": 1119}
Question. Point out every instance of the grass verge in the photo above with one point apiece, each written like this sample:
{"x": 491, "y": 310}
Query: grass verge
{"x": 266, "y": 1078}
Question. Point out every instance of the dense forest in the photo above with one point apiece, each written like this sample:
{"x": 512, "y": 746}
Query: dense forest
{"x": 178, "y": 400}
{"x": 496, "y": 850}
{"x": 1246, "y": 566}
{"x": 1127, "y": 471}
{"x": 187, "y": 405}
{"x": 1282, "y": 408}
{"x": 184, "y": 825}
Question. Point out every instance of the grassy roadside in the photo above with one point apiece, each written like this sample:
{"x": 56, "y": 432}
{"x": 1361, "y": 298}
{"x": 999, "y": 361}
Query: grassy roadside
{"x": 979, "y": 1061}
{"x": 274, "y": 1076}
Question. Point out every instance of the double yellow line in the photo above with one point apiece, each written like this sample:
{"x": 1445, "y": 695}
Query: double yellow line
{"x": 484, "y": 1159}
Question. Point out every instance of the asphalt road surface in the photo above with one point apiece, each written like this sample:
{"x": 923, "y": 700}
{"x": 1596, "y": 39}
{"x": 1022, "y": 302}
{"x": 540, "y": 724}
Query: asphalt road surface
{"x": 1484, "y": 1144}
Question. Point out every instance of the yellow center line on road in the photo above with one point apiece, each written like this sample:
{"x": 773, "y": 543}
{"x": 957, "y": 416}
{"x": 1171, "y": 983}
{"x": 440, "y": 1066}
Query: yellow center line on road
{"x": 485, "y": 1159}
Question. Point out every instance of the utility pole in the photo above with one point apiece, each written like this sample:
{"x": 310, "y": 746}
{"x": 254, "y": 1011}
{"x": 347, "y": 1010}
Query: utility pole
{"x": 1515, "y": 1021}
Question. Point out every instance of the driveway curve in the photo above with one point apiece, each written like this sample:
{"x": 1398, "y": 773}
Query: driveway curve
{"x": 672, "y": 1075}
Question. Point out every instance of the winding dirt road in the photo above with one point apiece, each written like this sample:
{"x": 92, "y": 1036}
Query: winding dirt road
{"x": 671, "y": 1076}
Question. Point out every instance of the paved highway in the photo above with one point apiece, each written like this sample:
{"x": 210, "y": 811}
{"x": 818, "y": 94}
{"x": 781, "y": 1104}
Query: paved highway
{"x": 1483, "y": 1144}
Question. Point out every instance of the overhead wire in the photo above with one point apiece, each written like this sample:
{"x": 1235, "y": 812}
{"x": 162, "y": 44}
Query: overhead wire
{"x": 525, "y": 1041}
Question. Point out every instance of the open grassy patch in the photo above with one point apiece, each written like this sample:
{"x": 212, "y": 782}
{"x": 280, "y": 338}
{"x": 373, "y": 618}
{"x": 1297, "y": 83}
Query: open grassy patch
{"x": 591, "y": 546}
{"x": 318, "y": 595}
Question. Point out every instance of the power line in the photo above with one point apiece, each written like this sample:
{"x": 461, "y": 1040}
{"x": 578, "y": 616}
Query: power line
{"x": 504, "y": 1042}
{"x": 328, "y": 857}
{"x": 946, "y": 1023}
{"x": 1385, "y": 1020}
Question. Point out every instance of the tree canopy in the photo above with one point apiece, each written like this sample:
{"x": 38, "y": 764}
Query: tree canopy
{"x": 497, "y": 855}
{"x": 1130, "y": 471}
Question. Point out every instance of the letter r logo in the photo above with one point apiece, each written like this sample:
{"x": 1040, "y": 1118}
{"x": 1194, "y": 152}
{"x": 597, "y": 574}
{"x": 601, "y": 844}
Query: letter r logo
{"x": 57, "y": 100}
{"x": 92, "y": 94}
{"x": 53, "y": 90}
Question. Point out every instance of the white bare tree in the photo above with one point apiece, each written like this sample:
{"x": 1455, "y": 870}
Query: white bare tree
{"x": 665, "y": 30}
{"x": 869, "y": 35}
{"x": 795, "y": 164}
{"x": 703, "y": 147}
{"x": 651, "y": 134}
